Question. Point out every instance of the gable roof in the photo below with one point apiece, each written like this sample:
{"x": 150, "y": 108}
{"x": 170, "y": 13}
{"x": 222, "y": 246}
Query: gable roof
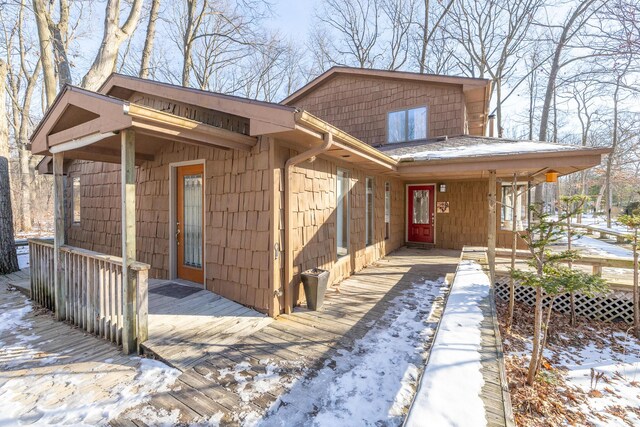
{"x": 468, "y": 82}
{"x": 265, "y": 117}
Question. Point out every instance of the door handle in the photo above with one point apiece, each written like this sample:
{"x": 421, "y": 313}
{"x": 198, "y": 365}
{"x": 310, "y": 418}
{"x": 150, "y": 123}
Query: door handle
{"x": 178, "y": 233}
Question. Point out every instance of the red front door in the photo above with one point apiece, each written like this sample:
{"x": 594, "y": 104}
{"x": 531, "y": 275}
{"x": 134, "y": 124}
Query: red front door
{"x": 421, "y": 213}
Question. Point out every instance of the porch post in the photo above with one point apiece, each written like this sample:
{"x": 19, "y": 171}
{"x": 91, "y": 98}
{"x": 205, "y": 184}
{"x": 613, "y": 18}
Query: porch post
{"x": 60, "y": 293}
{"x": 128, "y": 240}
{"x": 491, "y": 226}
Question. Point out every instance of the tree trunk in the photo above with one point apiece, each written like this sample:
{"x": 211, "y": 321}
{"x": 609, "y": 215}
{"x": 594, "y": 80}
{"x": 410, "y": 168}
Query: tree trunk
{"x": 8, "y": 257}
{"x": 537, "y": 327}
{"x": 425, "y": 38}
{"x": 611, "y": 156}
{"x": 514, "y": 247}
{"x": 40, "y": 12}
{"x": 148, "y": 41}
{"x": 112, "y": 38}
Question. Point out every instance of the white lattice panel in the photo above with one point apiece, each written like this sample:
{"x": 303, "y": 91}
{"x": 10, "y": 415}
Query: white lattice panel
{"x": 610, "y": 307}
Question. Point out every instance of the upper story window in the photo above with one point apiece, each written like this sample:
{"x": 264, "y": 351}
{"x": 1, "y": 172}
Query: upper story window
{"x": 75, "y": 188}
{"x": 407, "y": 125}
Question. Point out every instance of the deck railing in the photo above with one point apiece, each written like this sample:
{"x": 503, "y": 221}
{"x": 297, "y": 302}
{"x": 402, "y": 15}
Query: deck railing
{"x": 41, "y": 258}
{"x": 93, "y": 287}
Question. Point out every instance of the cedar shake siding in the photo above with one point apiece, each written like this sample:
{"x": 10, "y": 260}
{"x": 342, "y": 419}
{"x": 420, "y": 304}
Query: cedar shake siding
{"x": 359, "y": 105}
{"x": 237, "y": 211}
{"x": 466, "y": 222}
{"x": 313, "y": 186}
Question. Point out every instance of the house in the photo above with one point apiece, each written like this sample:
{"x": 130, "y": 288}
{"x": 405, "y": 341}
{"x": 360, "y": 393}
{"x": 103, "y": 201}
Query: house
{"x": 241, "y": 196}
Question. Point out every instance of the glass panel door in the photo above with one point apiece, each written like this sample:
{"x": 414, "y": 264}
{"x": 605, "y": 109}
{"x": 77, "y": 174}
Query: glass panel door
{"x": 190, "y": 224}
{"x": 421, "y": 207}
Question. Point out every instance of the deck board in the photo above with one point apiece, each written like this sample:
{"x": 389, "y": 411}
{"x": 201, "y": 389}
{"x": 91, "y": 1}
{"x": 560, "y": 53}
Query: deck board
{"x": 303, "y": 339}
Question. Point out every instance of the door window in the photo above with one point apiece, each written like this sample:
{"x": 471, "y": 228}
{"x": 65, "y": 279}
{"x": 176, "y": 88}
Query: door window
{"x": 192, "y": 187}
{"x": 421, "y": 207}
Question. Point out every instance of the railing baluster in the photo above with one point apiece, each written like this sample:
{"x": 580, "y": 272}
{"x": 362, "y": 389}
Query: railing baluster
{"x": 94, "y": 289}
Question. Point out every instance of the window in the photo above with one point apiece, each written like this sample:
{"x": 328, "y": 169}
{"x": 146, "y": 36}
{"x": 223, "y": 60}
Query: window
{"x": 75, "y": 188}
{"x": 514, "y": 204}
{"x": 407, "y": 125}
{"x": 387, "y": 210}
{"x": 342, "y": 212}
{"x": 369, "y": 211}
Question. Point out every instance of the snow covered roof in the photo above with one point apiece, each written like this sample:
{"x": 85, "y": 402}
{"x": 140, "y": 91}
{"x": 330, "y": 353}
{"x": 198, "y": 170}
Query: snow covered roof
{"x": 467, "y": 146}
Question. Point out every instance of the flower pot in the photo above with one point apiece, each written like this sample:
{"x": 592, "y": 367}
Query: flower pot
{"x": 315, "y": 285}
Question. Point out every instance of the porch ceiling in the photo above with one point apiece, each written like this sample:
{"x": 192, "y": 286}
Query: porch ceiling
{"x": 85, "y": 125}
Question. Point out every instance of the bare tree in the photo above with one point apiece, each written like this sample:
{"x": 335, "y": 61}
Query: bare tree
{"x": 8, "y": 257}
{"x": 493, "y": 34}
{"x": 400, "y": 15}
{"x": 145, "y": 60}
{"x": 113, "y": 36}
{"x": 357, "y": 30}
{"x": 22, "y": 82}
{"x": 427, "y": 30}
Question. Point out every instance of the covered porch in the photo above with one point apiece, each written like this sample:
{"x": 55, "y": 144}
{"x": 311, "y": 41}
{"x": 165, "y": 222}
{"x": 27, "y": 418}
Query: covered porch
{"x": 104, "y": 294}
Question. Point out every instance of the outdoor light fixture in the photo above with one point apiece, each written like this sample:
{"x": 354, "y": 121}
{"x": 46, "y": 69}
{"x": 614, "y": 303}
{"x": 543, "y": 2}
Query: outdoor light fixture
{"x": 551, "y": 176}
{"x": 443, "y": 188}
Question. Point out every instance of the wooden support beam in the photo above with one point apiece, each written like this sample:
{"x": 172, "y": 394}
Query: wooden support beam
{"x": 128, "y": 240}
{"x": 491, "y": 226}
{"x": 60, "y": 295}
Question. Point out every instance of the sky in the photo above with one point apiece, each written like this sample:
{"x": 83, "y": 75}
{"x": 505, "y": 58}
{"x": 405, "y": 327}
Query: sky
{"x": 293, "y": 17}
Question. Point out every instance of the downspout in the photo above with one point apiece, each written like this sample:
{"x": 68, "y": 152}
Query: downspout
{"x": 288, "y": 248}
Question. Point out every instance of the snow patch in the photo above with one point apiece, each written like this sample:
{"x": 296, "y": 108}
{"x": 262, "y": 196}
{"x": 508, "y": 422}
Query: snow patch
{"x": 498, "y": 148}
{"x": 44, "y": 389}
{"x": 373, "y": 383}
{"x": 449, "y": 394}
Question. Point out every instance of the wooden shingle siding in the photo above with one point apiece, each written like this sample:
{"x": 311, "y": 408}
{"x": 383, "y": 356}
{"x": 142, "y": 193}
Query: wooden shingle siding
{"x": 466, "y": 222}
{"x": 192, "y": 112}
{"x": 313, "y": 185}
{"x": 359, "y": 105}
{"x": 237, "y": 210}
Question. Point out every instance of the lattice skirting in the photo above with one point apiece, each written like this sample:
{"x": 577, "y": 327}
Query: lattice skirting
{"x": 615, "y": 306}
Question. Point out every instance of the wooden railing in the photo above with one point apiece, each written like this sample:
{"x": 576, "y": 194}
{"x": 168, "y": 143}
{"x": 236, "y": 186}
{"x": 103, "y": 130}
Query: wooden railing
{"x": 604, "y": 232}
{"x": 597, "y": 263}
{"x": 93, "y": 289}
{"x": 41, "y": 258}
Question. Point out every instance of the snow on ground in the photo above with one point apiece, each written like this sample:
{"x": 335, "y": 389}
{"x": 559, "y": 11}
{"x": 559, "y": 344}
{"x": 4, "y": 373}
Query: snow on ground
{"x": 449, "y": 393}
{"x": 23, "y": 256}
{"x": 43, "y": 388}
{"x": 373, "y": 383}
{"x": 593, "y": 246}
{"x": 498, "y": 148}
{"x": 618, "y": 388}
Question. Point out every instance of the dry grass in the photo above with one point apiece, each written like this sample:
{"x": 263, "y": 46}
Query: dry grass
{"x": 550, "y": 401}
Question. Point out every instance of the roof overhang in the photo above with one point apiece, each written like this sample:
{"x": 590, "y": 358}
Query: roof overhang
{"x": 264, "y": 117}
{"x": 85, "y": 125}
{"x": 468, "y": 83}
{"x": 529, "y": 166}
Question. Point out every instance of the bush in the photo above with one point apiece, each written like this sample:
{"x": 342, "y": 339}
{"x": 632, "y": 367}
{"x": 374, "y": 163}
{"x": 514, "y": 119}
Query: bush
{"x": 632, "y": 208}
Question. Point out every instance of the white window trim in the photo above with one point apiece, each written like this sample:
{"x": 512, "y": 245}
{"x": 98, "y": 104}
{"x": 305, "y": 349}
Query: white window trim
{"x": 406, "y": 124}
{"x": 346, "y": 172}
{"x": 370, "y": 222}
{"x": 73, "y": 200}
{"x": 387, "y": 191}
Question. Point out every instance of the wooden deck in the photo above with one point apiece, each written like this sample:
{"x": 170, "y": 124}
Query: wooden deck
{"x": 302, "y": 341}
{"x": 206, "y": 336}
{"x": 187, "y": 323}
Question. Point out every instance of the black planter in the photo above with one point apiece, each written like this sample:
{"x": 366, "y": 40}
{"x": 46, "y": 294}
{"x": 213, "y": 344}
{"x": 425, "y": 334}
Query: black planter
{"x": 315, "y": 285}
